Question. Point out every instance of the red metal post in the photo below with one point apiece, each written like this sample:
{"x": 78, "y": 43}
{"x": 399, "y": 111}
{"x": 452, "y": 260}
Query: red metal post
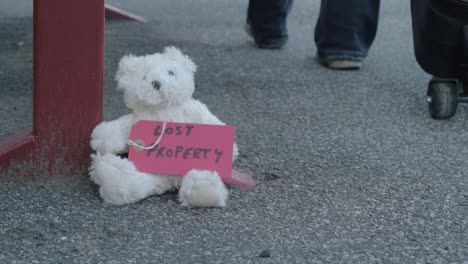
{"x": 68, "y": 78}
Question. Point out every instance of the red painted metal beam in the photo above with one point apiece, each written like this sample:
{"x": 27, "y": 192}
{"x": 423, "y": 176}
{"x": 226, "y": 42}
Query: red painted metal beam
{"x": 68, "y": 78}
{"x": 113, "y": 12}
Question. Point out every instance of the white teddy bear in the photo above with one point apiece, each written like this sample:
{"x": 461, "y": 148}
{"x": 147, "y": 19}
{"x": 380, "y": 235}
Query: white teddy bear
{"x": 156, "y": 87}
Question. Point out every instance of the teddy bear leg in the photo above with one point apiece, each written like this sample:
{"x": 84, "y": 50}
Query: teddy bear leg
{"x": 201, "y": 188}
{"x": 120, "y": 183}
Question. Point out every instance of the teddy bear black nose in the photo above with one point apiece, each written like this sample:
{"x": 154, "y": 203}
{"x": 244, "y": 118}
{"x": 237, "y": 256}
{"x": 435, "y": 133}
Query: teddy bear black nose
{"x": 156, "y": 85}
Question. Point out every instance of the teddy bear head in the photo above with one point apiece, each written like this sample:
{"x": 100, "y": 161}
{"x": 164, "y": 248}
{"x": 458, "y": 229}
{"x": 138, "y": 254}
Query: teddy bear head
{"x": 158, "y": 80}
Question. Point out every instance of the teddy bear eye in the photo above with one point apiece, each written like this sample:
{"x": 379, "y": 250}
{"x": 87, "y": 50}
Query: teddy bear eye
{"x": 171, "y": 73}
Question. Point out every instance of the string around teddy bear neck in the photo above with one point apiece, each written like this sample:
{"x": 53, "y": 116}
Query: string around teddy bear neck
{"x": 133, "y": 143}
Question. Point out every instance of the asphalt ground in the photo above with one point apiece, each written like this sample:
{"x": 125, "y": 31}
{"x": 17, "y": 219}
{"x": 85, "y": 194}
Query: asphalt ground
{"x": 349, "y": 165}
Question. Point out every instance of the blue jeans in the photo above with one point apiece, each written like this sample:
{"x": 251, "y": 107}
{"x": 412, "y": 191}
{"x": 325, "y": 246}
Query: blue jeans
{"x": 267, "y": 20}
{"x": 345, "y": 29}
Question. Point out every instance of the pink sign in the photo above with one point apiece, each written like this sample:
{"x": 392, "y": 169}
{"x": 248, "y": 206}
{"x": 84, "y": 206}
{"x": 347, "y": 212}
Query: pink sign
{"x": 183, "y": 147}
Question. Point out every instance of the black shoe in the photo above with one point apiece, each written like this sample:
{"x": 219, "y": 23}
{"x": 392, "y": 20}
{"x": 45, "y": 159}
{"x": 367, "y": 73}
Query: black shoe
{"x": 267, "y": 44}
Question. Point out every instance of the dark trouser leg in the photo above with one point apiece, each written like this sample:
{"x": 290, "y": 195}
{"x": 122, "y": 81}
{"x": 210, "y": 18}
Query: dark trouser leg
{"x": 267, "y": 19}
{"x": 346, "y": 28}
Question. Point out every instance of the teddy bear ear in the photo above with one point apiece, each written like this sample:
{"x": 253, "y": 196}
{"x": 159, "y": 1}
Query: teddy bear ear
{"x": 128, "y": 63}
{"x": 177, "y": 55}
{"x": 128, "y": 66}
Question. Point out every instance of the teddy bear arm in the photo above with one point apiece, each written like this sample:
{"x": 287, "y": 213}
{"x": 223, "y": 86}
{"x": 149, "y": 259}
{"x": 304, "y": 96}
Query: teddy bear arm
{"x": 199, "y": 113}
{"x": 112, "y": 136}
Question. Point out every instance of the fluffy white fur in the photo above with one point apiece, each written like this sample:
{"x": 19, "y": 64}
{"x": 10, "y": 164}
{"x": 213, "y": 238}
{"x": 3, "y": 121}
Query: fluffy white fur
{"x": 155, "y": 87}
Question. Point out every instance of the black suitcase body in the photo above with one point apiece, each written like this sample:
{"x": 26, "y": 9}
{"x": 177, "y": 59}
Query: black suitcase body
{"x": 440, "y": 34}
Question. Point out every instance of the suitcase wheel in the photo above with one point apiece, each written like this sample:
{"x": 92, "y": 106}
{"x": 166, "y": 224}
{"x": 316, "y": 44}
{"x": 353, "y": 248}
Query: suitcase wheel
{"x": 442, "y": 98}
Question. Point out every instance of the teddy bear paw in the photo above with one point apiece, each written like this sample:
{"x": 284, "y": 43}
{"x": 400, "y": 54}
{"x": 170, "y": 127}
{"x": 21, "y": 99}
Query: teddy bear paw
{"x": 203, "y": 189}
{"x": 114, "y": 177}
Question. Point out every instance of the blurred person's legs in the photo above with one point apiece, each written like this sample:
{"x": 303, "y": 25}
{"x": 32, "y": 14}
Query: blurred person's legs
{"x": 266, "y": 22}
{"x": 345, "y": 31}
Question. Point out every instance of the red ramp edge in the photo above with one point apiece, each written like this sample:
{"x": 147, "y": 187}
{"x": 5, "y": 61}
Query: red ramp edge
{"x": 113, "y": 12}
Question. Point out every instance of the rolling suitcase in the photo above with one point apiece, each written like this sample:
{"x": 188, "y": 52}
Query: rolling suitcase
{"x": 440, "y": 35}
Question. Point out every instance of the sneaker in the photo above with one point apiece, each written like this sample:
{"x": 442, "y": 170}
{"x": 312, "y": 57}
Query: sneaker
{"x": 342, "y": 64}
{"x": 248, "y": 29}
